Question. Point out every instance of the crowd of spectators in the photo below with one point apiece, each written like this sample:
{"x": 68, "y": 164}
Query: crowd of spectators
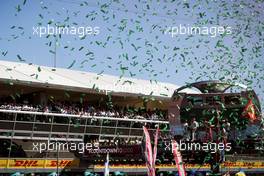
{"x": 114, "y": 142}
{"x": 89, "y": 110}
{"x": 20, "y": 107}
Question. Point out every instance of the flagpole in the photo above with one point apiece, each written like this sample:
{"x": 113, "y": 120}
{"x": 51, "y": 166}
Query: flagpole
{"x": 57, "y": 160}
{"x": 55, "y": 52}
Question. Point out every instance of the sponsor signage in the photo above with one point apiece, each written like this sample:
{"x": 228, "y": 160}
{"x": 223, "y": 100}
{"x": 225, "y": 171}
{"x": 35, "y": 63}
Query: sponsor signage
{"x": 225, "y": 165}
{"x": 70, "y": 163}
{"x": 253, "y": 165}
{"x": 37, "y": 163}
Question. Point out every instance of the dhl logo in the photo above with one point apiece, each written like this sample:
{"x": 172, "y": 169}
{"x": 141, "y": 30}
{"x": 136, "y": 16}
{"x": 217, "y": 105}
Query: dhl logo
{"x": 60, "y": 163}
{"x": 34, "y": 163}
{"x": 26, "y": 163}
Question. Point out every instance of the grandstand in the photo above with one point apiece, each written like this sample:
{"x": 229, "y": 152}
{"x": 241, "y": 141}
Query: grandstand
{"x": 43, "y": 105}
{"x": 40, "y": 104}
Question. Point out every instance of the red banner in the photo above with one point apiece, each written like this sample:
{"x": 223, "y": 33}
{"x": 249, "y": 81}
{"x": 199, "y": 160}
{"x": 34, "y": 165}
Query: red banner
{"x": 148, "y": 153}
{"x": 178, "y": 159}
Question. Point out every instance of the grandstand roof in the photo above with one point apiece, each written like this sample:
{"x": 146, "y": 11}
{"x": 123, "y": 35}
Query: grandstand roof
{"x": 66, "y": 79}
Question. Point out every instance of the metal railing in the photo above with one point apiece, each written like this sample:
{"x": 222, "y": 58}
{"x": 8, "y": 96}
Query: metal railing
{"x": 55, "y": 126}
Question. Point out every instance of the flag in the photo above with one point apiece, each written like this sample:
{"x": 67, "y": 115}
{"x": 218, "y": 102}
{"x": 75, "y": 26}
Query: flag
{"x": 106, "y": 173}
{"x": 249, "y": 111}
{"x": 148, "y": 153}
{"x": 155, "y": 147}
{"x": 178, "y": 159}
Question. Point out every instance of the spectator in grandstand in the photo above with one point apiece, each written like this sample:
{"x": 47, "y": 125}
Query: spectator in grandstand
{"x": 208, "y": 129}
{"x": 225, "y": 128}
{"x": 186, "y": 133}
{"x": 46, "y": 109}
{"x": 154, "y": 116}
{"x": 194, "y": 126}
{"x": 227, "y": 125}
{"x": 20, "y": 107}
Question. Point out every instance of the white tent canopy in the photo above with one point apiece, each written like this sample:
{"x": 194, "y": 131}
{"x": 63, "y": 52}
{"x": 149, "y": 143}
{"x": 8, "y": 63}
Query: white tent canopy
{"x": 59, "y": 78}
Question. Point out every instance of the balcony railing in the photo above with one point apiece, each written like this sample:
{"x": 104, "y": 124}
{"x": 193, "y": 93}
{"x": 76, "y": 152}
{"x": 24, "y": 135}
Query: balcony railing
{"x": 55, "y": 126}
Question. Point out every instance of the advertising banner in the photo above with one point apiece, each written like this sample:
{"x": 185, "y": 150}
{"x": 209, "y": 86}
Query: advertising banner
{"x": 37, "y": 163}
